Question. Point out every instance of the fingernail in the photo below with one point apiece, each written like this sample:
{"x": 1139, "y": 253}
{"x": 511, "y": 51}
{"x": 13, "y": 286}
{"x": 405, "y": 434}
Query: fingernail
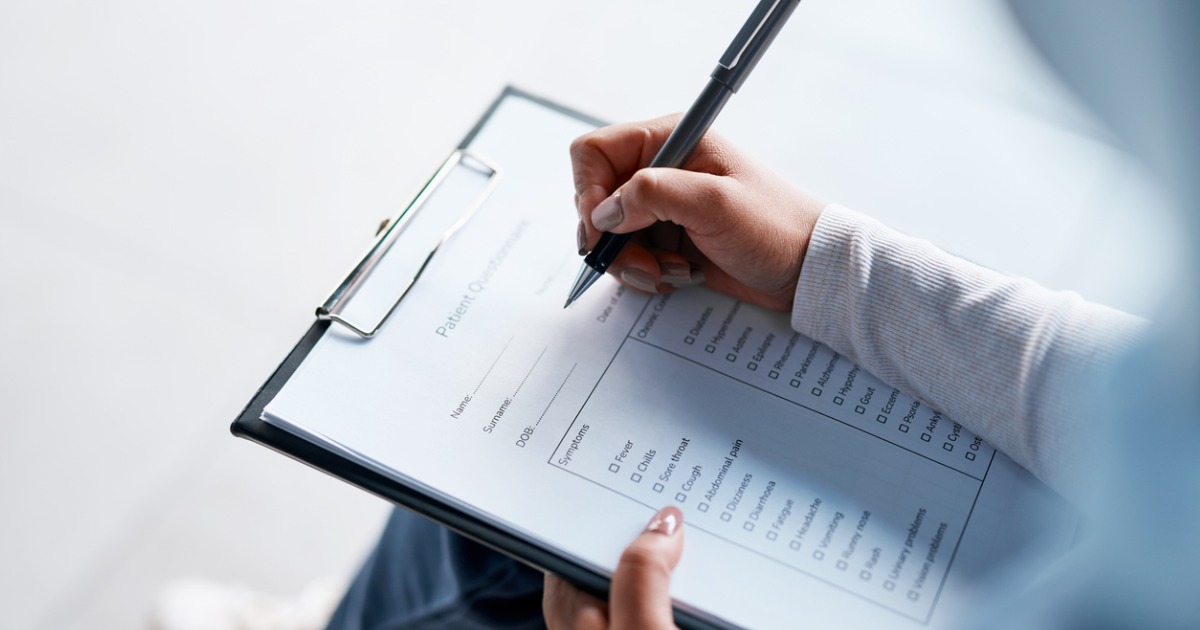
{"x": 609, "y": 213}
{"x": 690, "y": 280}
{"x": 675, "y": 272}
{"x": 666, "y": 522}
{"x": 581, "y": 238}
{"x": 639, "y": 280}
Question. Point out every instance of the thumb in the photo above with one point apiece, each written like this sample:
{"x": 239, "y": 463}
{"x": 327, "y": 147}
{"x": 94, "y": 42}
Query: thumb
{"x": 641, "y": 589}
{"x": 702, "y": 203}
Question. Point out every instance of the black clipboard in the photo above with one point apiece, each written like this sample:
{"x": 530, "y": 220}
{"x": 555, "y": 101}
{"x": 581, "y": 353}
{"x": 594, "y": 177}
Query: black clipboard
{"x": 249, "y": 423}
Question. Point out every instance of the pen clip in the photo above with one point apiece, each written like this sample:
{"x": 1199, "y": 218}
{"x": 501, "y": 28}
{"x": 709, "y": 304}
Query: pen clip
{"x": 335, "y": 306}
{"x": 751, "y": 41}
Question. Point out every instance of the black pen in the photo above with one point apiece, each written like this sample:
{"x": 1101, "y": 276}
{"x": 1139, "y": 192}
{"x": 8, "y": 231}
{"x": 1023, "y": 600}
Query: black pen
{"x": 733, "y": 68}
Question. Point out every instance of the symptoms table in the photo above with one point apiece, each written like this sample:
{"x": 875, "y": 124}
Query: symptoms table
{"x": 782, "y": 448}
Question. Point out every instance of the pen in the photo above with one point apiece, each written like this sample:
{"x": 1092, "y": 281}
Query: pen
{"x": 731, "y": 71}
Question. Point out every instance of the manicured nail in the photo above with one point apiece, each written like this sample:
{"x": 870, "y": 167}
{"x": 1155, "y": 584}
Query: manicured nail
{"x": 675, "y": 272}
{"x": 581, "y": 239}
{"x": 609, "y": 213}
{"x": 639, "y": 280}
{"x": 666, "y": 522}
{"x": 695, "y": 279}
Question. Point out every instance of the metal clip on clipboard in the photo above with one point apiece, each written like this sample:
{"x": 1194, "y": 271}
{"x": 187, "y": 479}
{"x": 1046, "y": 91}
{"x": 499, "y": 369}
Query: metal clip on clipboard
{"x": 335, "y": 306}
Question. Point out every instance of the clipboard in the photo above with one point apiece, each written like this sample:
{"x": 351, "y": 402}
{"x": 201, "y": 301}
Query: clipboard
{"x": 332, "y": 313}
{"x": 781, "y": 480}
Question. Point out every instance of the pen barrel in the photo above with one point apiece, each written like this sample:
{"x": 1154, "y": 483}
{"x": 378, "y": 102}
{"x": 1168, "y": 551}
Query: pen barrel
{"x": 606, "y": 251}
{"x": 692, "y": 127}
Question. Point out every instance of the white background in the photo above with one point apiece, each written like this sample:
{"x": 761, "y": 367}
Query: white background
{"x": 182, "y": 183}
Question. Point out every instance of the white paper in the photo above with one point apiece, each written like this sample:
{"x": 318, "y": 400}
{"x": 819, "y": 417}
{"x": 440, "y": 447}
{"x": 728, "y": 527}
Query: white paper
{"x": 812, "y": 492}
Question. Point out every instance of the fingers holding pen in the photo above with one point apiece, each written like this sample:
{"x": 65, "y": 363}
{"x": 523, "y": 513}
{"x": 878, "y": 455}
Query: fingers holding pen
{"x": 605, "y": 159}
{"x": 654, "y": 271}
{"x": 697, "y": 202}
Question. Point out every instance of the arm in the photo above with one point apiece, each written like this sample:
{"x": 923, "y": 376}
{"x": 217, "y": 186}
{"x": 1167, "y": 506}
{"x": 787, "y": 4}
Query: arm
{"x": 1004, "y": 356}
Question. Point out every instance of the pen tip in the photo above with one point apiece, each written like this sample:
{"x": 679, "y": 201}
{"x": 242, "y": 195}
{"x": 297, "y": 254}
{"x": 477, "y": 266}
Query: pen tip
{"x": 587, "y": 277}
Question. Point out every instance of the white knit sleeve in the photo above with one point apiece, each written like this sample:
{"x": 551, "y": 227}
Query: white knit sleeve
{"x": 1004, "y": 356}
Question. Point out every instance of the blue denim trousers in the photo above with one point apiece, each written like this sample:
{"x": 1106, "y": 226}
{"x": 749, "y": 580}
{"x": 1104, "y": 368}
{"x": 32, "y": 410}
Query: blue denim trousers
{"x": 422, "y": 575}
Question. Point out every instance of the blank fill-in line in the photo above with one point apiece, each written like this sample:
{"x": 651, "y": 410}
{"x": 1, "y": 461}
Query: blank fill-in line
{"x": 556, "y": 392}
{"x": 489, "y": 371}
{"x": 535, "y": 364}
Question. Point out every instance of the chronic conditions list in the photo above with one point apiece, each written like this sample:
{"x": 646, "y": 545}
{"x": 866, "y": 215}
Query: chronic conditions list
{"x": 781, "y": 448}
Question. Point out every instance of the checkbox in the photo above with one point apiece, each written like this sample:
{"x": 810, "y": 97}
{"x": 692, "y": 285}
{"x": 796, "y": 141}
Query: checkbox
{"x": 865, "y": 575}
{"x": 881, "y": 419}
{"x": 925, "y": 437}
{"x": 904, "y": 428}
{"x": 703, "y": 507}
{"x": 837, "y": 400}
{"x": 795, "y": 382}
{"x": 689, "y": 340}
{"x": 748, "y": 526}
{"x": 753, "y": 366}
{"x": 842, "y": 565}
{"x": 773, "y": 374}
{"x": 889, "y": 585}
{"x": 710, "y": 348}
{"x": 680, "y": 497}
{"x": 725, "y": 516}
{"x": 860, "y": 409}
{"x": 658, "y": 487}
{"x": 614, "y": 467}
{"x": 816, "y": 391}
{"x": 636, "y": 477}
{"x": 772, "y": 535}
{"x": 947, "y": 446}
{"x": 913, "y": 595}
{"x": 731, "y": 357}
{"x": 795, "y": 545}
{"x": 818, "y": 555}
{"x": 970, "y": 456}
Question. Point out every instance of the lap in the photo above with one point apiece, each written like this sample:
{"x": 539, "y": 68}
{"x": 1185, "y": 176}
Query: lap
{"x": 422, "y": 575}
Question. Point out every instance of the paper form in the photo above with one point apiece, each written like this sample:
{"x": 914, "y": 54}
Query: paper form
{"x": 809, "y": 487}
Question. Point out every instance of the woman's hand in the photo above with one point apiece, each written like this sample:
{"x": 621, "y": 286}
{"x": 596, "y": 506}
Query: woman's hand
{"x": 640, "y": 596}
{"x": 724, "y": 219}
